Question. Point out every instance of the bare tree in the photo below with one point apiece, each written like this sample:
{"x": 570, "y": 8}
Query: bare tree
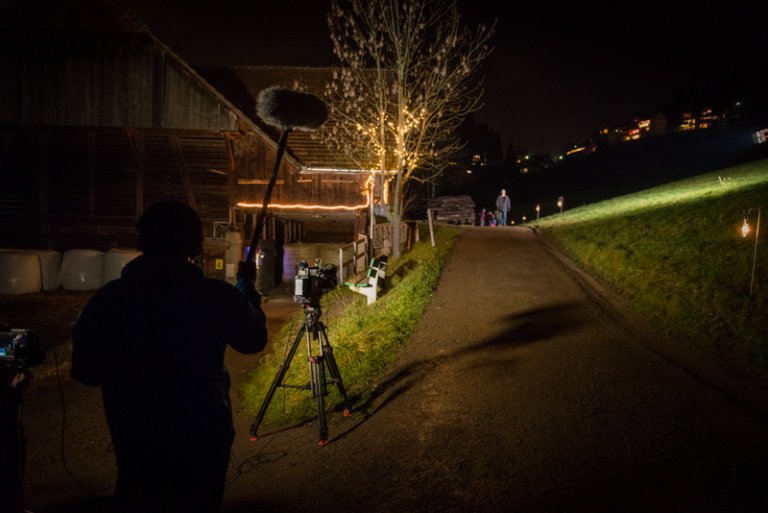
{"x": 407, "y": 80}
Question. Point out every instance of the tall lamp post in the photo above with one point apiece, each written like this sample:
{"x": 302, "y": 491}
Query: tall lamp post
{"x": 745, "y": 229}
{"x": 560, "y": 203}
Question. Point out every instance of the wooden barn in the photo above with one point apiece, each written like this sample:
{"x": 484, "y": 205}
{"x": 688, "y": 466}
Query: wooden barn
{"x": 99, "y": 119}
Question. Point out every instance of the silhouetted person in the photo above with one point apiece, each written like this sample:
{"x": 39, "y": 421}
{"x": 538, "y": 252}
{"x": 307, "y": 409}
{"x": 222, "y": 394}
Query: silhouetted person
{"x": 12, "y": 440}
{"x": 503, "y": 206}
{"x": 154, "y": 340}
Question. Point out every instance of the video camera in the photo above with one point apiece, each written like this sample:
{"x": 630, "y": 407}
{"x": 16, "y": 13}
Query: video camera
{"x": 313, "y": 282}
{"x": 19, "y": 348}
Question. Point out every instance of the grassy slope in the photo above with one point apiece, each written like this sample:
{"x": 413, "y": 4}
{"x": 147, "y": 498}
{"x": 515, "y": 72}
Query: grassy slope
{"x": 676, "y": 253}
{"x": 364, "y": 338}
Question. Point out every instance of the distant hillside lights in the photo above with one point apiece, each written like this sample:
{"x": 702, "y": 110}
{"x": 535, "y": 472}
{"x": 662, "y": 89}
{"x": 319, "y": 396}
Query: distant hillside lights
{"x": 521, "y": 162}
{"x": 528, "y": 163}
{"x": 577, "y": 148}
{"x": 706, "y": 119}
{"x": 640, "y": 127}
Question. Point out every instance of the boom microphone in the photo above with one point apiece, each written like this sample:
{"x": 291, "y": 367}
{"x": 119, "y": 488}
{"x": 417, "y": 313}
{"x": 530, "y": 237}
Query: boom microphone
{"x": 287, "y": 109}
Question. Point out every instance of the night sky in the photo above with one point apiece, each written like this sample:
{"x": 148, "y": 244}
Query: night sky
{"x": 553, "y": 78}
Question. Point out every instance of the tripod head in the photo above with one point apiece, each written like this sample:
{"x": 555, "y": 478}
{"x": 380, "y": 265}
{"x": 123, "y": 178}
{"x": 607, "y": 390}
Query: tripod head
{"x": 312, "y": 312}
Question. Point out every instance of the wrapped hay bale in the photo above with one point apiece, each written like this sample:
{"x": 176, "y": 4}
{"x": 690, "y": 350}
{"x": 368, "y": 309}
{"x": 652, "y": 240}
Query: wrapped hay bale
{"x": 81, "y": 269}
{"x": 113, "y": 263}
{"x": 19, "y": 272}
{"x": 50, "y": 268}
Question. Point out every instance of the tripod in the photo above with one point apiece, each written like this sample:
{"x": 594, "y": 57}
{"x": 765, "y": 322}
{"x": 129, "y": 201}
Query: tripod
{"x": 313, "y": 330}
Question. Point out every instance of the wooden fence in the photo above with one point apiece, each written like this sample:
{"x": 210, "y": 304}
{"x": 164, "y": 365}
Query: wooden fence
{"x": 353, "y": 257}
{"x": 382, "y": 237}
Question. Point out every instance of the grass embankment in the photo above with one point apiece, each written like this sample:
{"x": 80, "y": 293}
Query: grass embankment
{"x": 364, "y": 338}
{"x": 676, "y": 253}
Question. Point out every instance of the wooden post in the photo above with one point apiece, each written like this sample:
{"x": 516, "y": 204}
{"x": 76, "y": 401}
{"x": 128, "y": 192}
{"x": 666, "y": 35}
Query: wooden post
{"x": 431, "y": 230}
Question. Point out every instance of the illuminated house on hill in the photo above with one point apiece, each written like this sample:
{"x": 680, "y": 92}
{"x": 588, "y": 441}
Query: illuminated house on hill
{"x": 707, "y": 118}
{"x": 643, "y": 126}
{"x": 637, "y": 128}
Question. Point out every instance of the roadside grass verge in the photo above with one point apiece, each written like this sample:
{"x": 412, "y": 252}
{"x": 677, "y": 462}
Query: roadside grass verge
{"x": 676, "y": 254}
{"x": 365, "y": 339}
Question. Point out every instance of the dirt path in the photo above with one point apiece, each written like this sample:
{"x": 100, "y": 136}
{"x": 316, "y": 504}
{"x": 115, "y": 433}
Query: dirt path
{"x": 523, "y": 389}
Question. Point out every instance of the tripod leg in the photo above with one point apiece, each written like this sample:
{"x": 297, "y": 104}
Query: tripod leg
{"x": 276, "y": 383}
{"x": 333, "y": 369}
{"x": 319, "y": 391}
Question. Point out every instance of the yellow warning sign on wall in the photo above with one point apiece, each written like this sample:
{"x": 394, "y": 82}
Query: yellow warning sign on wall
{"x": 219, "y": 264}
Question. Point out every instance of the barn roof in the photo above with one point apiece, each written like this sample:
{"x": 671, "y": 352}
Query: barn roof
{"x": 242, "y": 85}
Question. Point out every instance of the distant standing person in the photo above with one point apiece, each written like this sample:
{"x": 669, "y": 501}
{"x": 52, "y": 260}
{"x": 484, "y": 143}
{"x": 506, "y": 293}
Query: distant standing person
{"x": 154, "y": 341}
{"x": 503, "y": 206}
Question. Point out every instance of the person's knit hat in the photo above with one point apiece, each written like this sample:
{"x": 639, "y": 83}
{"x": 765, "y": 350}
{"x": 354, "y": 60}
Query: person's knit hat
{"x": 170, "y": 228}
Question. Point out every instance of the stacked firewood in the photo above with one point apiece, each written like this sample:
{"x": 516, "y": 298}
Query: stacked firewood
{"x": 453, "y": 209}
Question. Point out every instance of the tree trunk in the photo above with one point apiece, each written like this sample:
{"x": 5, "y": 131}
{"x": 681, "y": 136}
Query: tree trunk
{"x": 397, "y": 215}
{"x": 396, "y": 235}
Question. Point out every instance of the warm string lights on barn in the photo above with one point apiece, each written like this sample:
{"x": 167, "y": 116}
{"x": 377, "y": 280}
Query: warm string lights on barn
{"x": 300, "y": 206}
{"x": 367, "y": 192}
{"x": 370, "y": 184}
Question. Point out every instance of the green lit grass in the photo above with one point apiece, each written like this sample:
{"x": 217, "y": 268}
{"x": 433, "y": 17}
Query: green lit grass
{"x": 365, "y": 339}
{"x": 675, "y": 252}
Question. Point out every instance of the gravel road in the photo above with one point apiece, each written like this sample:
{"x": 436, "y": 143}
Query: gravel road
{"x": 525, "y": 388}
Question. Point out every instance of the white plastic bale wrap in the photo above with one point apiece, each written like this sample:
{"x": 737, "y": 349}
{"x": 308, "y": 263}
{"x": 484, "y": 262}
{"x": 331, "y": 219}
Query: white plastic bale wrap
{"x": 50, "y": 268}
{"x": 19, "y": 272}
{"x": 81, "y": 269}
{"x": 113, "y": 263}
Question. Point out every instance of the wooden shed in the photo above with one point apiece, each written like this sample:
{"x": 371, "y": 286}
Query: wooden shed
{"x": 99, "y": 119}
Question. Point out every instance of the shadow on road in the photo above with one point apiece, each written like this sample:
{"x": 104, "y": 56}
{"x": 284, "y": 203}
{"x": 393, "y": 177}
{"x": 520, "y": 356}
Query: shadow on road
{"x": 519, "y": 329}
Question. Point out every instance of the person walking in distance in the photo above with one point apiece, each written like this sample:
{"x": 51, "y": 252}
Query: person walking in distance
{"x": 503, "y": 206}
{"x": 154, "y": 341}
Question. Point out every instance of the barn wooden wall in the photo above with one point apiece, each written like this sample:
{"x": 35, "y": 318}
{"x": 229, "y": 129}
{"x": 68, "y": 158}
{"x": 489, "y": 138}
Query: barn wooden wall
{"x": 97, "y": 125}
{"x": 85, "y": 187}
{"x": 103, "y": 79}
{"x": 254, "y": 161}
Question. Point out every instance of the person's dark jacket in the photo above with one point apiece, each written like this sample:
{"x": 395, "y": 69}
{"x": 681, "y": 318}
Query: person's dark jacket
{"x": 154, "y": 340}
{"x": 503, "y": 204}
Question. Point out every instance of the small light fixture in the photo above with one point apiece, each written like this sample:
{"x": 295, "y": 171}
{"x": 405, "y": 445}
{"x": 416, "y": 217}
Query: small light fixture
{"x": 745, "y": 228}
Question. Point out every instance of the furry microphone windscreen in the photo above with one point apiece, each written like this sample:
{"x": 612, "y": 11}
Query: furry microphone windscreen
{"x": 290, "y": 110}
